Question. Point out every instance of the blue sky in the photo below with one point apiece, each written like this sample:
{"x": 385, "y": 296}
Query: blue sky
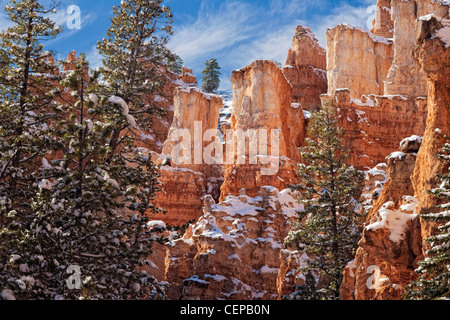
{"x": 234, "y": 32}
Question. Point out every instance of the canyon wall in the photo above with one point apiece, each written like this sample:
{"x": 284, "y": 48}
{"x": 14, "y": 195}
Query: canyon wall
{"x": 375, "y": 125}
{"x": 357, "y": 60}
{"x": 395, "y": 239}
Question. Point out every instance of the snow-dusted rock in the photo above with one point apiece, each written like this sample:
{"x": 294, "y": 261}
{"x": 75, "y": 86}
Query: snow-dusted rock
{"x": 233, "y": 251}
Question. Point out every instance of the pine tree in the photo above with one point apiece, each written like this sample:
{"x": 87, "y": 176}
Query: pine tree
{"x": 331, "y": 224}
{"x": 135, "y": 58}
{"x": 175, "y": 64}
{"x": 26, "y": 108}
{"x": 211, "y": 73}
{"x": 434, "y": 272}
{"x": 90, "y": 215}
{"x": 26, "y": 100}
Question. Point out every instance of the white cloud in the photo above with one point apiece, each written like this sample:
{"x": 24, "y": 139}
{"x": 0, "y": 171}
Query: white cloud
{"x": 94, "y": 58}
{"x": 212, "y": 31}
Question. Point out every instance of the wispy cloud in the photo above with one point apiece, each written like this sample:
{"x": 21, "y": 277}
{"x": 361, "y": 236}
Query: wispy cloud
{"x": 213, "y": 31}
{"x": 236, "y": 33}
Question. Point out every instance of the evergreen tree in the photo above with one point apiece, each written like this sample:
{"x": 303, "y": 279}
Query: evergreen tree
{"x": 26, "y": 101}
{"x": 135, "y": 58}
{"x": 307, "y": 291}
{"x": 211, "y": 73}
{"x": 175, "y": 64}
{"x": 26, "y": 108}
{"x": 331, "y": 224}
{"x": 89, "y": 232}
{"x": 434, "y": 272}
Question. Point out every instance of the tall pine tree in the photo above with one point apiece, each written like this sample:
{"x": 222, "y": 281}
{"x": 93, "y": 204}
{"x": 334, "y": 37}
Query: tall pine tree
{"x": 26, "y": 109}
{"x": 211, "y": 74}
{"x": 434, "y": 272}
{"x": 331, "y": 224}
{"x": 135, "y": 58}
{"x": 26, "y": 98}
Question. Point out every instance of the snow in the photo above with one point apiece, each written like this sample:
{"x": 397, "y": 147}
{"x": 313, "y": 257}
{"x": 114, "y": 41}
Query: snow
{"x": 45, "y": 185}
{"x": 393, "y": 220}
{"x": 396, "y": 155}
{"x": 113, "y": 183}
{"x": 444, "y": 35}
{"x": 131, "y": 121}
{"x": 267, "y": 270}
{"x": 196, "y": 279}
{"x": 93, "y": 98}
{"x": 156, "y": 224}
{"x": 412, "y": 139}
{"x": 45, "y": 164}
{"x": 307, "y": 114}
{"x": 410, "y": 205}
{"x": 368, "y": 103}
{"x": 217, "y": 277}
{"x": 123, "y": 105}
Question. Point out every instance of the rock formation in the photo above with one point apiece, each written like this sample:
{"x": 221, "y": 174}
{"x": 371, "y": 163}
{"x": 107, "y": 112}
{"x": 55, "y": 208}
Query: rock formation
{"x": 432, "y": 52}
{"x": 188, "y": 77}
{"x": 394, "y": 241}
{"x": 387, "y": 255}
{"x": 357, "y": 60}
{"x": 234, "y": 248}
{"x": 305, "y": 69}
{"x": 375, "y": 125}
{"x": 233, "y": 251}
{"x": 383, "y": 25}
{"x": 391, "y": 245}
{"x": 405, "y": 76}
{"x": 262, "y": 109}
{"x": 185, "y": 176}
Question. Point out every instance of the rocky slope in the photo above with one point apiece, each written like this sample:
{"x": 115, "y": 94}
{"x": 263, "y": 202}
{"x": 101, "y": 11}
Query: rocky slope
{"x": 233, "y": 250}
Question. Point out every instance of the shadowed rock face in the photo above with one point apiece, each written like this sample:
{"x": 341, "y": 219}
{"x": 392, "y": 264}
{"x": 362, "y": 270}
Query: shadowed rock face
{"x": 432, "y": 53}
{"x": 305, "y": 69}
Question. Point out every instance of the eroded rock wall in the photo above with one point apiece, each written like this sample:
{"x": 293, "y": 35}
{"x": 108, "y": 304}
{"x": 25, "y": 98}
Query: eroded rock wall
{"x": 305, "y": 69}
{"x": 357, "y": 60}
{"x": 262, "y": 107}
